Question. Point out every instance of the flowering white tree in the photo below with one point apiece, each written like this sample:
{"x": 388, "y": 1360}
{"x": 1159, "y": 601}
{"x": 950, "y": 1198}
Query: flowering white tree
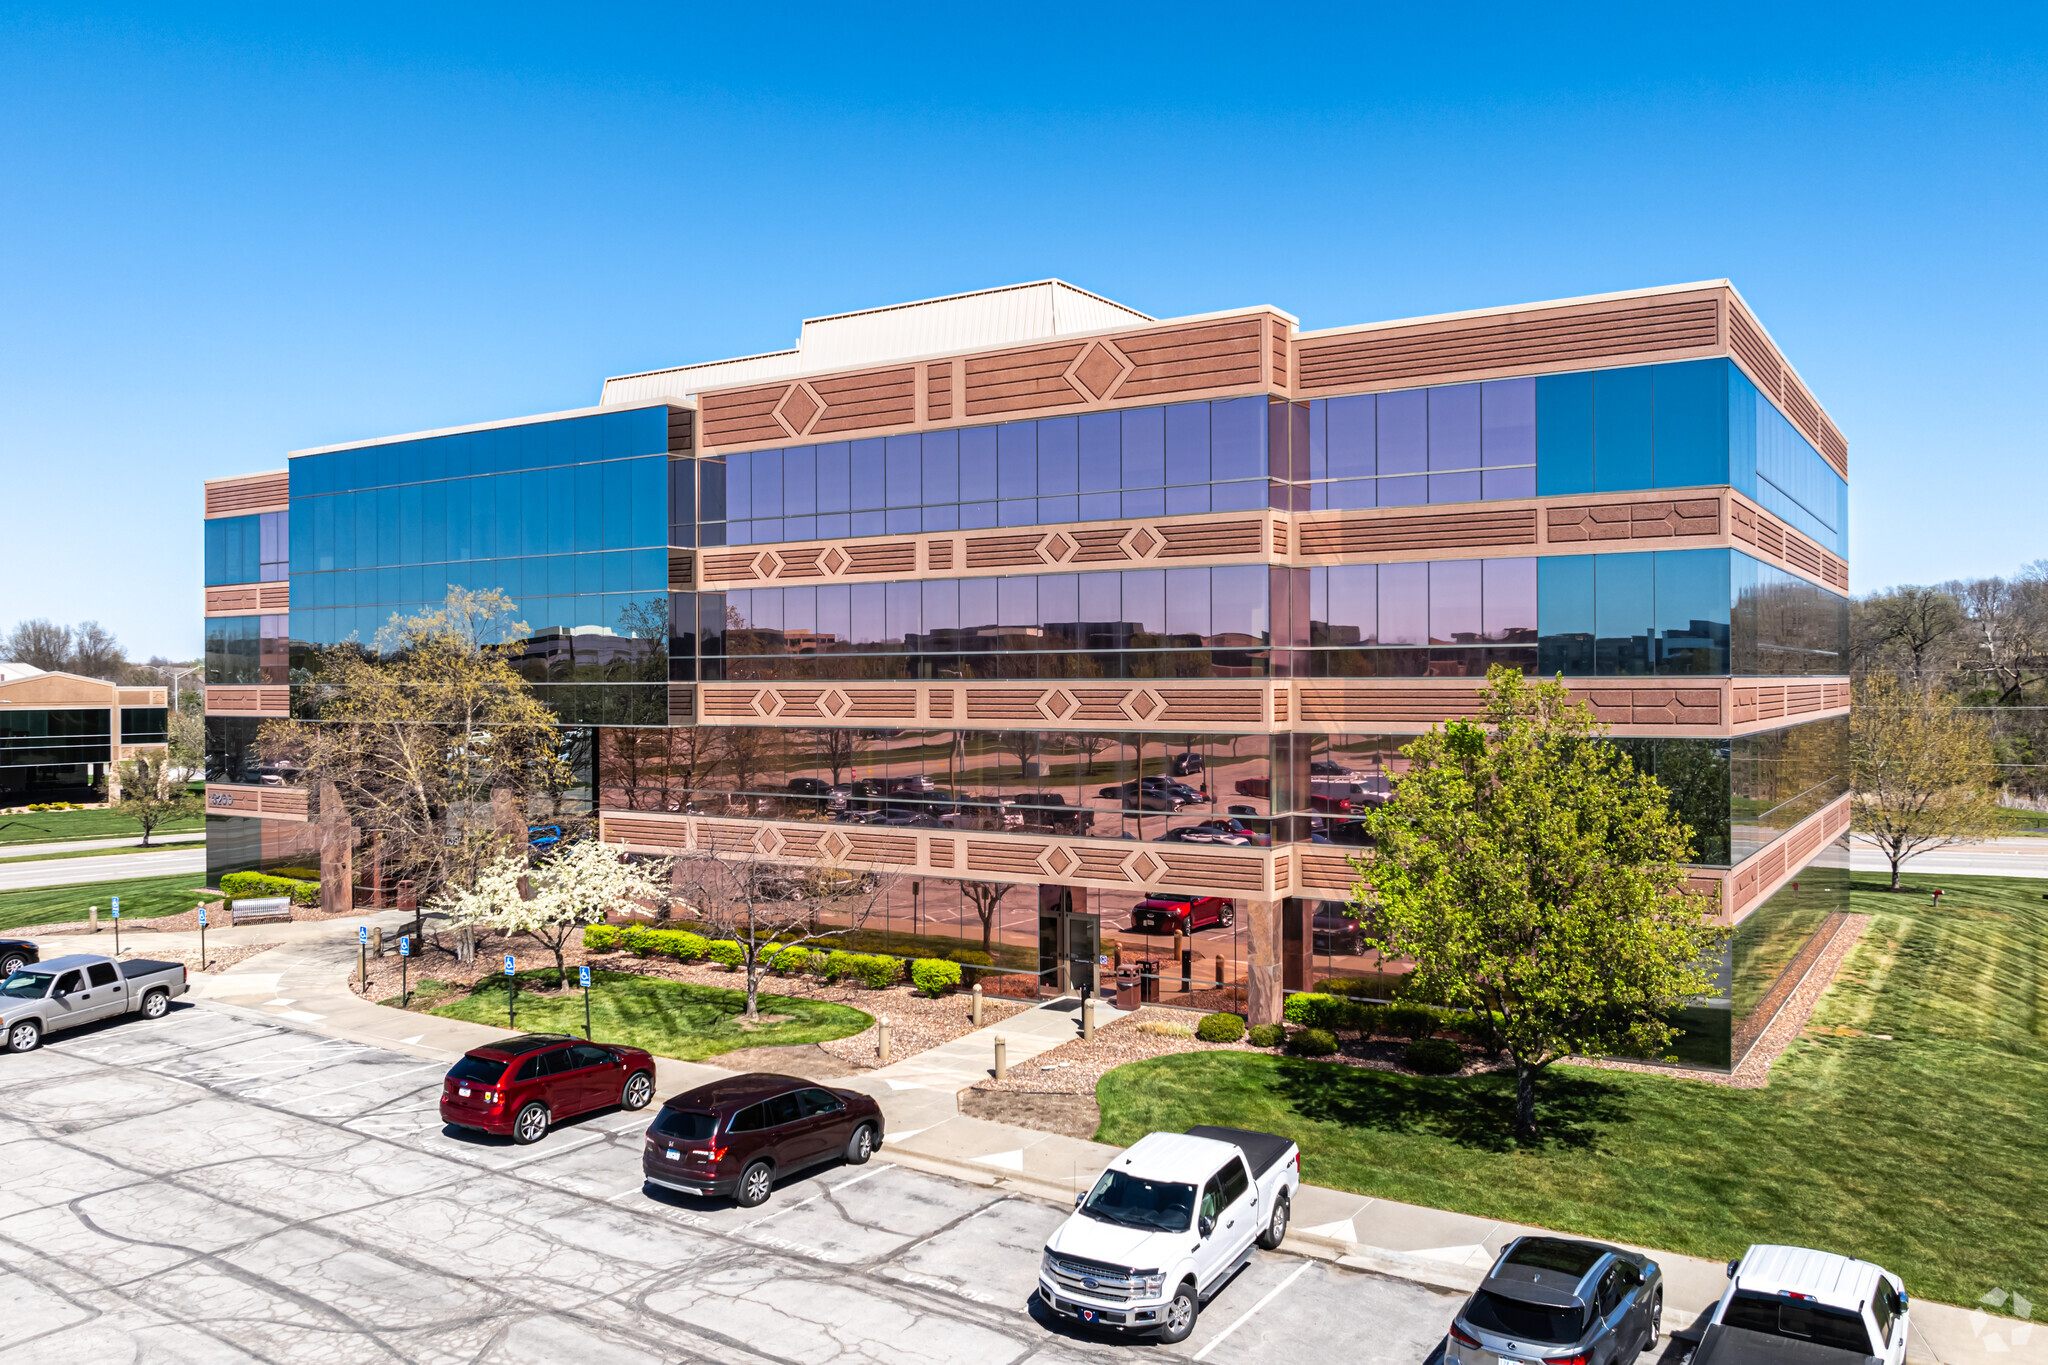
{"x": 549, "y": 899}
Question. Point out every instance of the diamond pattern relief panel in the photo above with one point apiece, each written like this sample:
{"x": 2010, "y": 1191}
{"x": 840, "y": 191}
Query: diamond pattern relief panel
{"x": 799, "y": 408}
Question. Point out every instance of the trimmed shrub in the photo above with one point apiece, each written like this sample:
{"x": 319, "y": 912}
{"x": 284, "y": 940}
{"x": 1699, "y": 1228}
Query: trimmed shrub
{"x": 1162, "y": 1028}
{"x": 680, "y": 944}
{"x": 1313, "y": 1042}
{"x": 726, "y": 954}
{"x": 1414, "y": 1022}
{"x": 601, "y": 938}
{"x": 257, "y": 885}
{"x": 877, "y": 970}
{"x": 1434, "y": 1057}
{"x": 933, "y": 976}
{"x": 839, "y": 964}
{"x": 1220, "y": 1028}
{"x": 1365, "y": 1019}
{"x": 793, "y": 959}
{"x": 815, "y": 963}
{"x": 1268, "y": 1035}
{"x": 1312, "y": 1009}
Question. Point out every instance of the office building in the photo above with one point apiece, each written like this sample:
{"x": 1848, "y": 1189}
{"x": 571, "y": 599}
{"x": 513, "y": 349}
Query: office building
{"x": 954, "y": 588}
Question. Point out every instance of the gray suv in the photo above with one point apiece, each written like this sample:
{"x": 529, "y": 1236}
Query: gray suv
{"x": 1560, "y": 1301}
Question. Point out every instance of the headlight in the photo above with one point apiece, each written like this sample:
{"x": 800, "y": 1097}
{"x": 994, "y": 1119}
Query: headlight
{"x": 1045, "y": 1261}
{"x": 1152, "y": 1286}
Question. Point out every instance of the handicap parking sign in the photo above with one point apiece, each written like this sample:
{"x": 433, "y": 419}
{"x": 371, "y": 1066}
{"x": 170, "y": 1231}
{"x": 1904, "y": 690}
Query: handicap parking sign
{"x": 405, "y": 947}
{"x": 362, "y": 933}
{"x": 508, "y": 964}
{"x": 584, "y": 972}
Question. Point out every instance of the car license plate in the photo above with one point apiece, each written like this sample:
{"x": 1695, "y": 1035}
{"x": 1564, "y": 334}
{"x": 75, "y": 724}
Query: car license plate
{"x": 673, "y": 1156}
{"x": 464, "y": 1092}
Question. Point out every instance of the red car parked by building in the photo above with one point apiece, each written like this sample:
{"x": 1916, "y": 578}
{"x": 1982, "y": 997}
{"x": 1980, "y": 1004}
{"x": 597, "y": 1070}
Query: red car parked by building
{"x": 521, "y": 1087}
{"x": 1176, "y": 912}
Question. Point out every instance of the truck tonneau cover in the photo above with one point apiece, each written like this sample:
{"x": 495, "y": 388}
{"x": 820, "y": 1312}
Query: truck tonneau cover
{"x": 1263, "y": 1150}
{"x": 1724, "y": 1345}
{"x": 144, "y": 967}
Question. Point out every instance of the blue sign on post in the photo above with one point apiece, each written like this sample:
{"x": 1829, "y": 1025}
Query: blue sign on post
{"x": 362, "y": 933}
{"x": 117, "y": 907}
{"x": 202, "y": 917}
{"x": 508, "y": 964}
{"x": 584, "y": 972}
{"x": 405, "y": 947}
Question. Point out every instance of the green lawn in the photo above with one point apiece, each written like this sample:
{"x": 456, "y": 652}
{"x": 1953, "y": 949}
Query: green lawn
{"x": 45, "y": 826}
{"x": 141, "y": 898}
{"x": 668, "y": 1018}
{"x": 1926, "y": 1153}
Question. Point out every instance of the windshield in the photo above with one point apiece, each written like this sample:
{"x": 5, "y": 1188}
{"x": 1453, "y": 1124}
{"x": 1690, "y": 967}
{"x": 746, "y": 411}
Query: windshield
{"x": 685, "y": 1125}
{"x": 477, "y": 1070}
{"x": 1506, "y": 1317}
{"x": 25, "y": 986}
{"x": 1803, "y": 1321}
{"x": 1130, "y": 1202}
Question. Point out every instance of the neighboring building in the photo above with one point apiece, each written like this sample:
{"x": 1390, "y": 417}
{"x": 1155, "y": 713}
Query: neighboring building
{"x": 60, "y": 734}
{"x": 1027, "y": 545}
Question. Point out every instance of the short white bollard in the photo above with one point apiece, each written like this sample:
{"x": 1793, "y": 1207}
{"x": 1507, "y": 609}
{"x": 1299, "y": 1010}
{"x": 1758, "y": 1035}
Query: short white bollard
{"x": 1088, "y": 1020}
{"x": 882, "y": 1025}
{"x": 95, "y": 919}
{"x": 976, "y": 1016}
{"x": 1002, "y": 1059}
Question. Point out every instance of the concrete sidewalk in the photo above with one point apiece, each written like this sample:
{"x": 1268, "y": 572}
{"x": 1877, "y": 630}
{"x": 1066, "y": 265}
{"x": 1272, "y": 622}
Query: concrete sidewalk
{"x": 41, "y": 850}
{"x": 304, "y": 982}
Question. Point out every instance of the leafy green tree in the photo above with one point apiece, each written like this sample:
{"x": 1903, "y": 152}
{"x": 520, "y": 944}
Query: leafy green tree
{"x": 1922, "y": 770}
{"x": 1530, "y": 872}
{"x": 153, "y": 791}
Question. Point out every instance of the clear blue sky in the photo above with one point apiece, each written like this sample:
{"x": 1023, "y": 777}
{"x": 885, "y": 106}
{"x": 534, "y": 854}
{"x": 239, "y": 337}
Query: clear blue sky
{"x": 227, "y": 233}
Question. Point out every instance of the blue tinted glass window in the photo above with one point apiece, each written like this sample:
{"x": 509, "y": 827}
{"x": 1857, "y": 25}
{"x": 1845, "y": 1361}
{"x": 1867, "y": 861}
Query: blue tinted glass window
{"x": 1507, "y": 422}
{"x": 1404, "y": 604}
{"x": 647, "y": 500}
{"x": 1237, "y": 431}
{"x": 766, "y": 477}
{"x": 1454, "y": 428}
{"x": 1017, "y": 460}
{"x": 1187, "y": 443}
{"x": 1692, "y": 611}
{"x": 1566, "y": 616}
{"x": 978, "y": 466}
{"x": 1691, "y": 424}
{"x": 1058, "y": 456}
{"x": 800, "y": 481}
{"x": 940, "y": 467}
{"x": 1144, "y": 451}
{"x": 1624, "y": 601}
{"x": 1101, "y": 460}
{"x": 1564, "y": 434}
{"x": 1403, "y": 432}
{"x": 1621, "y": 429}
{"x": 902, "y": 479}
{"x": 835, "y": 477}
{"x": 616, "y": 499}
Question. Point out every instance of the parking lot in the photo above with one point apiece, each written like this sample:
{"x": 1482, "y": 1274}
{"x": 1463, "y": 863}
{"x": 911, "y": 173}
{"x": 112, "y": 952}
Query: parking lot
{"x": 212, "y": 1187}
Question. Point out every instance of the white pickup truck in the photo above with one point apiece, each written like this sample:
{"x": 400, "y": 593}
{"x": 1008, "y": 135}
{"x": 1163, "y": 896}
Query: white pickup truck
{"x": 1794, "y": 1306}
{"x": 1166, "y": 1226}
{"x": 83, "y": 988}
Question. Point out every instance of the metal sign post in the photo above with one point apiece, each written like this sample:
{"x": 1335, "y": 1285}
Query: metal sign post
{"x": 511, "y": 995}
{"x": 404, "y": 982}
{"x": 117, "y": 926}
{"x": 363, "y": 957}
{"x": 584, "y": 972}
{"x": 202, "y": 938}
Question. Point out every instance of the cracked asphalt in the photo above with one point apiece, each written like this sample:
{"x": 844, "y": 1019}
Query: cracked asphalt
{"x": 215, "y": 1187}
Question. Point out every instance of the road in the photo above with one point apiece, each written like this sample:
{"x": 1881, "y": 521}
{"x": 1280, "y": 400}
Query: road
{"x": 86, "y": 845}
{"x": 2021, "y": 857}
{"x": 217, "y": 1187}
{"x": 113, "y": 867}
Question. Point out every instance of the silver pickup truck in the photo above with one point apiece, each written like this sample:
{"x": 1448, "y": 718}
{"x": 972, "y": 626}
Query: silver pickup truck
{"x": 84, "y": 988}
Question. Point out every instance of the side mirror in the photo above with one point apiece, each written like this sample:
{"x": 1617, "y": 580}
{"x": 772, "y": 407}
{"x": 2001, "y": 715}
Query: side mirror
{"x": 1080, "y": 1199}
{"x": 1207, "y": 1225}
{"x": 1732, "y": 1266}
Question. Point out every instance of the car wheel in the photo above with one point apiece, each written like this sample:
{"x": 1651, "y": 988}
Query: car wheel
{"x": 639, "y": 1090}
{"x": 1180, "y": 1314}
{"x": 1656, "y": 1332}
{"x": 24, "y": 1036}
{"x": 531, "y": 1125}
{"x": 861, "y": 1145}
{"x": 1275, "y": 1231}
{"x": 155, "y": 1004}
{"x": 1227, "y": 916}
{"x": 756, "y": 1182}
{"x": 11, "y": 964}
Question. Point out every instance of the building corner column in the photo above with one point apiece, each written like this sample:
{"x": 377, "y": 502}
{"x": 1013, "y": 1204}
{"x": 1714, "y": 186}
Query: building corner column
{"x": 1263, "y": 992}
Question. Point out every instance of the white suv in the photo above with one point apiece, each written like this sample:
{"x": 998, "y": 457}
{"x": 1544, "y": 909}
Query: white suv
{"x": 1817, "y": 1297}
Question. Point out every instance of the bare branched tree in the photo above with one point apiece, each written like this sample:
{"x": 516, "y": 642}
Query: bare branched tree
{"x": 985, "y": 897}
{"x": 766, "y": 904}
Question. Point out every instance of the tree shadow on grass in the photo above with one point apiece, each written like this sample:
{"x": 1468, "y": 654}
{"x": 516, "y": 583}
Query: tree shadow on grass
{"x": 1471, "y": 1111}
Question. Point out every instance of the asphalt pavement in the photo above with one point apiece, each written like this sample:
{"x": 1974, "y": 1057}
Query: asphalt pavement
{"x": 2016, "y": 857}
{"x": 113, "y": 867}
{"x": 87, "y": 845}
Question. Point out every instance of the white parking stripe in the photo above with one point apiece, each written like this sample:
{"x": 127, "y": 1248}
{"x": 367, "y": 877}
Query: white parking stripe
{"x": 1271, "y": 1295}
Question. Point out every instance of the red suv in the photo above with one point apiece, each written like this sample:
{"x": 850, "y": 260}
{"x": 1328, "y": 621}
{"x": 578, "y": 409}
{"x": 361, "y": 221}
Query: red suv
{"x": 522, "y": 1086}
{"x": 739, "y": 1136}
{"x": 1176, "y": 912}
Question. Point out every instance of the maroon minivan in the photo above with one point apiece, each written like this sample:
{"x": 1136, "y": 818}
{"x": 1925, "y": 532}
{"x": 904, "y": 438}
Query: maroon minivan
{"x": 522, "y": 1086}
{"x": 740, "y": 1136}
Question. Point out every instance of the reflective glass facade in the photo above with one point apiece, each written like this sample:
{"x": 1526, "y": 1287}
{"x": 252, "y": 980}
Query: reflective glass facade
{"x": 244, "y": 651}
{"x": 569, "y": 518}
{"x": 37, "y": 739}
{"x": 253, "y": 549}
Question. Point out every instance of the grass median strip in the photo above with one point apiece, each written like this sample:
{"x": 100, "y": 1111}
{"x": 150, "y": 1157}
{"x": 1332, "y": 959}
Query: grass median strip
{"x": 42, "y": 827}
{"x": 1905, "y": 1127}
{"x": 98, "y": 853}
{"x": 141, "y": 898}
{"x": 668, "y": 1018}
